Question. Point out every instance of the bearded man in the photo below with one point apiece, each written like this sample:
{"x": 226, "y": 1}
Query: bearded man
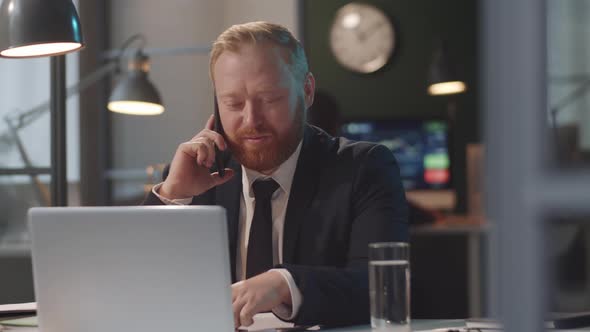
{"x": 302, "y": 206}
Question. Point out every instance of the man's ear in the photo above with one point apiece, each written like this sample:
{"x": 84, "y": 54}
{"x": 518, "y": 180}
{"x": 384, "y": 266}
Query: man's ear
{"x": 309, "y": 89}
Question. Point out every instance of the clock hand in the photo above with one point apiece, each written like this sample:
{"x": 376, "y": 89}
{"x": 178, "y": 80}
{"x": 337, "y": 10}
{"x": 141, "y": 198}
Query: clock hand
{"x": 361, "y": 36}
{"x": 369, "y": 31}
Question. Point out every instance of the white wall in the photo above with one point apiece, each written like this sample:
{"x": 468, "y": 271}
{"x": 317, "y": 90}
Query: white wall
{"x": 277, "y": 11}
{"x": 183, "y": 80}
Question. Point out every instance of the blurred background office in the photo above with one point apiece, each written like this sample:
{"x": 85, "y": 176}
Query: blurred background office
{"x": 387, "y": 89}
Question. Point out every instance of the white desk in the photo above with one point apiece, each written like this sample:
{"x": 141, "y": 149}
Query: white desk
{"x": 417, "y": 325}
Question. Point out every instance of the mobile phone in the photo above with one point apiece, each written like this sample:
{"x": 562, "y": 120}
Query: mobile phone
{"x": 220, "y": 157}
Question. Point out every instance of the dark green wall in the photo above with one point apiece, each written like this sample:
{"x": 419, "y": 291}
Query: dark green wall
{"x": 399, "y": 89}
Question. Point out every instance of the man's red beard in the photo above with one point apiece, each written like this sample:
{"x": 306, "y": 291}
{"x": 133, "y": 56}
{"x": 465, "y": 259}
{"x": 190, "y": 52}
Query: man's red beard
{"x": 266, "y": 157}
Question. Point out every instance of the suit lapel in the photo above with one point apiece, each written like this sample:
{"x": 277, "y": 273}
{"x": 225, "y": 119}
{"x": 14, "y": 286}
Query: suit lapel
{"x": 228, "y": 196}
{"x": 302, "y": 192}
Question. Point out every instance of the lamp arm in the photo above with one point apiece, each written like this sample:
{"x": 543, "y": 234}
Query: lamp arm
{"x": 23, "y": 119}
{"x": 198, "y": 49}
{"x": 573, "y": 96}
{"x": 41, "y": 189}
{"x": 561, "y": 104}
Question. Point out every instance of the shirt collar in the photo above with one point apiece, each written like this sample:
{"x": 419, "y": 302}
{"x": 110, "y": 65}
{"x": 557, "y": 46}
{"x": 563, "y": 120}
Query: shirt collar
{"x": 283, "y": 175}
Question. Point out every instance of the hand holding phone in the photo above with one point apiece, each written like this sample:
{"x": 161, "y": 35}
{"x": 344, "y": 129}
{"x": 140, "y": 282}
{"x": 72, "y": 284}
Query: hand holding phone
{"x": 190, "y": 171}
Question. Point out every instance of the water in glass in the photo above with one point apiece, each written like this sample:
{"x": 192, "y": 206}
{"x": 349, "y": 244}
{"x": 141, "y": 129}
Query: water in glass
{"x": 389, "y": 282}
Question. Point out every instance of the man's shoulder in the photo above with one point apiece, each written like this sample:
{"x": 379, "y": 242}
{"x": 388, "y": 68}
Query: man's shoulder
{"x": 344, "y": 149}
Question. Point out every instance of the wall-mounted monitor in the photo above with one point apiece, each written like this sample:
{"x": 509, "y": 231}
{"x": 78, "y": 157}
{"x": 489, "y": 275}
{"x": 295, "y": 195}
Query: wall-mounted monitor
{"x": 421, "y": 147}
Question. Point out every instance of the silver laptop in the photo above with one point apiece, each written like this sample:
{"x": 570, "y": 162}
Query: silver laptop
{"x": 112, "y": 269}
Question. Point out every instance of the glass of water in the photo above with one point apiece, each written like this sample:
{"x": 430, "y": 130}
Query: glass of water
{"x": 389, "y": 286}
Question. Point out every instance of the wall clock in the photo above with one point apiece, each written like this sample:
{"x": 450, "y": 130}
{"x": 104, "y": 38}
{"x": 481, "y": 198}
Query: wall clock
{"x": 362, "y": 37}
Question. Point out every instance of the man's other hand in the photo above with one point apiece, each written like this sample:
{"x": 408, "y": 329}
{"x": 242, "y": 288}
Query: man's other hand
{"x": 261, "y": 293}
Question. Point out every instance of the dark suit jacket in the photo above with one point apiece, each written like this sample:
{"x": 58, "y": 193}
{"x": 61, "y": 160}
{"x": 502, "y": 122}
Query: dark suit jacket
{"x": 344, "y": 196}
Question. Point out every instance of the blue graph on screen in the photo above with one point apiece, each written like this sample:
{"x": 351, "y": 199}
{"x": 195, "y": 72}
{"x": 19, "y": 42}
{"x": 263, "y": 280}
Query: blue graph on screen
{"x": 420, "y": 147}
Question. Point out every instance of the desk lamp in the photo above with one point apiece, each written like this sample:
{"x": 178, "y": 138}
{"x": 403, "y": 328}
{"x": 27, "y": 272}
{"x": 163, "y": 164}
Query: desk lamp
{"x": 443, "y": 78}
{"x": 135, "y": 94}
{"x": 34, "y": 28}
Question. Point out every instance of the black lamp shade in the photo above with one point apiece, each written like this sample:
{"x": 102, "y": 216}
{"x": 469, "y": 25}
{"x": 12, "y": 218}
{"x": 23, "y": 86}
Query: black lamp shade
{"x": 443, "y": 76}
{"x": 136, "y": 95}
{"x": 34, "y": 28}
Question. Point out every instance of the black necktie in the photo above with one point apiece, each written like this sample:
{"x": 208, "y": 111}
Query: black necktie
{"x": 260, "y": 251}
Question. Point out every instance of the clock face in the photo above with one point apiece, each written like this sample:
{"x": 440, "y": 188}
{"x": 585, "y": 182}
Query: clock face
{"x": 362, "y": 37}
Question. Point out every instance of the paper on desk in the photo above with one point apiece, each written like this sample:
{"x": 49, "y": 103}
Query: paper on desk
{"x": 27, "y": 321}
{"x": 266, "y": 321}
{"x": 18, "y": 308}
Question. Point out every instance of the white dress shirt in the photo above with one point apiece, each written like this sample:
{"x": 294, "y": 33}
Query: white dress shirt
{"x": 284, "y": 177}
